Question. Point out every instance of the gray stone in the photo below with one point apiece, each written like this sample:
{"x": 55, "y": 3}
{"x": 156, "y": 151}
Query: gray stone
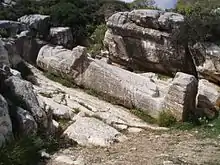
{"x": 61, "y": 36}
{"x": 141, "y": 40}
{"x": 126, "y": 88}
{"x": 207, "y": 57}
{"x": 170, "y": 20}
{"x": 59, "y": 111}
{"x": 22, "y": 92}
{"x": 37, "y": 22}
{"x": 12, "y": 27}
{"x": 208, "y": 98}
{"x": 181, "y": 96}
{"x": 60, "y": 62}
{"x": 62, "y": 160}
{"x": 88, "y": 105}
{"x": 13, "y": 54}
{"x": 6, "y": 133}
{"x": 3, "y": 54}
{"x": 90, "y": 131}
{"x": 26, "y": 122}
{"x": 15, "y": 73}
{"x": 208, "y": 94}
{"x": 146, "y": 18}
{"x": 134, "y": 130}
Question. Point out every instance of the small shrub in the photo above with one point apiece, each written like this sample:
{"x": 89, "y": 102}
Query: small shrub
{"x": 163, "y": 77}
{"x": 166, "y": 119}
{"x": 3, "y": 33}
{"x": 143, "y": 115}
{"x": 24, "y": 151}
{"x": 97, "y": 40}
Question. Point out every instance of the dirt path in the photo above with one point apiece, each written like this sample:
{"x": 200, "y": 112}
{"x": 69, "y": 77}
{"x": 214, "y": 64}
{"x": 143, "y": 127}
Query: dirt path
{"x": 153, "y": 148}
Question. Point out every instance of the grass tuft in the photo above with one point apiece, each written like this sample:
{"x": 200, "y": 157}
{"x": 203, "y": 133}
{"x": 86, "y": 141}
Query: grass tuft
{"x": 63, "y": 81}
{"x": 143, "y": 115}
{"x": 166, "y": 119}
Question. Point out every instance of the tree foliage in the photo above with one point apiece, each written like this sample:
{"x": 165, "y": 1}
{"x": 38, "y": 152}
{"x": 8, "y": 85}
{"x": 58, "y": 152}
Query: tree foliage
{"x": 202, "y": 21}
{"x": 83, "y": 16}
{"x": 142, "y": 4}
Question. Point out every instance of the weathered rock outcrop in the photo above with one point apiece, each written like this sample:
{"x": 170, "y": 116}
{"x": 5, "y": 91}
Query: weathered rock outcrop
{"x": 37, "y": 22}
{"x": 207, "y": 58}
{"x": 61, "y": 36}
{"x": 208, "y": 99}
{"x": 24, "y": 47}
{"x": 140, "y": 40}
{"x": 5, "y": 122}
{"x": 181, "y": 97}
{"x": 22, "y": 92}
{"x": 124, "y": 87}
{"x": 26, "y": 123}
{"x": 12, "y": 27}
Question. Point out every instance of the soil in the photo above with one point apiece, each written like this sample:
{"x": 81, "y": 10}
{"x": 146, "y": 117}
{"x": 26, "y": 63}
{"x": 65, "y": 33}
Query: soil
{"x": 154, "y": 148}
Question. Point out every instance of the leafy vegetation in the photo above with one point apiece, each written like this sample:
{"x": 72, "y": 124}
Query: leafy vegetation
{"x": 82, "y": 16}
{"x": 26, "y": 150}
{"x": 142, "y": 4}
{"x": 63, "y": 81}
{"x": 3, "y": 33}
{"x": 166, "y": 119}
{"x": 97, "y": 39}
{"x": 207, "y": 129}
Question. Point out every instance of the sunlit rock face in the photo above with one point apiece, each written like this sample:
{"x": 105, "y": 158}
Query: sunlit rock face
{"x": 141, "y": 40}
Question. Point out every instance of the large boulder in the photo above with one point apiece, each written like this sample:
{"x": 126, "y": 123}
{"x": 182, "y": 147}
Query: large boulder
{"x": 141, "y": 40}
{"x": 90, "y": 131}
{"x": 12, "y": 52}
{"x": 37, "y": 22}
{"x": 208, "y": 99}
{"x": 61, "y": 36}
{"x": 121, "y": 86}
{"x": 181, "y": 96}
{"x": 207, "y": 58}
{"x": 26, "y": 123}
{"x": 11, "y": 28}
{"x": 21, "y": 92}
{"x": 5, "y": 122}
{"x": 24, "y": 47}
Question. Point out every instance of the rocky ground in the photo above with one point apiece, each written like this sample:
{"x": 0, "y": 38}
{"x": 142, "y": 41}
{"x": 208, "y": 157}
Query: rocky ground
{"x": 138, "y": 144}
{"x": 147, "y": 148}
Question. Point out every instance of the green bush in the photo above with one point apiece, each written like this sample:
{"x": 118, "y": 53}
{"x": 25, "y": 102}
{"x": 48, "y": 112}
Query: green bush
{"x": 97, "y": 39}
{"x": 3, "y": 33}
{"x": 25, "y": 151}
{"x": 166, "y": 119}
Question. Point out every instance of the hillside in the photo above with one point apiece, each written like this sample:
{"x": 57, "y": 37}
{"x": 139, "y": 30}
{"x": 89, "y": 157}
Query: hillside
{"x": 101, "y": 82}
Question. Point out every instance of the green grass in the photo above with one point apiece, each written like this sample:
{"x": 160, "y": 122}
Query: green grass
{"x": 92, "y": 92}
{"x": 166, "y": 119}
{"x": 25, "y": 150}
{"x": 63, "y": 81}
{"x": 163, "y": 77}
{"x": 143, "y": 115}
{"x": 76, "y": 110}
{"x": 209, "y": 129}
